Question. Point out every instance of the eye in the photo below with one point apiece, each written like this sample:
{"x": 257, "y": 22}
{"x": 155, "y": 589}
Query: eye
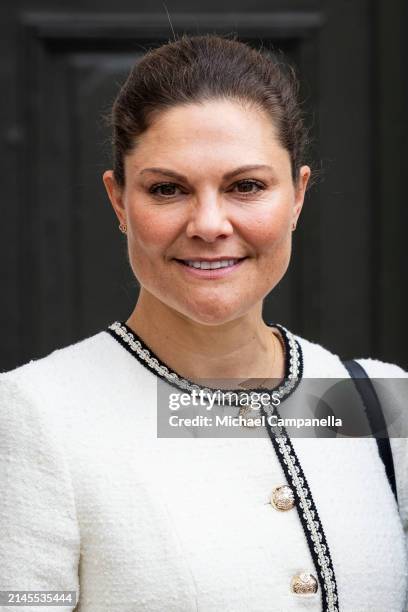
{"x": 167, "y": 189}
{"x": 248, "y": 185}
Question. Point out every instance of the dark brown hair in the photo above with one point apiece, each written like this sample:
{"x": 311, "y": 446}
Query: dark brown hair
{"x": 195, "y": 69}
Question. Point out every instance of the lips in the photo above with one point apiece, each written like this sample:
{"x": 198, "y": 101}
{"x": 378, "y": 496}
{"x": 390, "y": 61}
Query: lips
{"x": 211, "y": 264}
{"x": 203, "y": 264}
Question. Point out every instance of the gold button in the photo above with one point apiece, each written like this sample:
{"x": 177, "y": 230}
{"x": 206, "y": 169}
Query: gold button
{"x": 304, "y": 584}
{"x": 282, "y": 498}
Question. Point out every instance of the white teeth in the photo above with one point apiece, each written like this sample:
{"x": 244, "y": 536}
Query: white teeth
{"x": 211, "y": 265}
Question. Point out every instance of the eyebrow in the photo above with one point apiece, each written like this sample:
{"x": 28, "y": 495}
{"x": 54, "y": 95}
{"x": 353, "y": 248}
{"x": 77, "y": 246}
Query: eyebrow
{"x": 227, "y": 175}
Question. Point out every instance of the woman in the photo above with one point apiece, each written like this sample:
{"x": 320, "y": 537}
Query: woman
{"x": 208, "y": 184}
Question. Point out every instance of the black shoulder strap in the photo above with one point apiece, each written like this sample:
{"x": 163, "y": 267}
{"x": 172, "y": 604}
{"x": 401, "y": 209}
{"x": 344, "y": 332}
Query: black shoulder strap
{"x": 375, "y": 417}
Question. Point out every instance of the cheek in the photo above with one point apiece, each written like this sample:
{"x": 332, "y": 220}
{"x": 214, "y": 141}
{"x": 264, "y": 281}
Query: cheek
{"x": 152, "y": 230}
{"x": 270, "y": 227}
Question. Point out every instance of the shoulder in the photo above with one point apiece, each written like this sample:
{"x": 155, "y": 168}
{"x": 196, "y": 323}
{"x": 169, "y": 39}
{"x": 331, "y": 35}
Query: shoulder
{"x": 61, "y": 366}
{"x": 391, "y": 385}
{"x": 319, "y": 361}
{"x": 75, "y": 383}
{"x": 389, "y": 379}
{"x": 382, "y": 369}
{"x": 69, "y": 380}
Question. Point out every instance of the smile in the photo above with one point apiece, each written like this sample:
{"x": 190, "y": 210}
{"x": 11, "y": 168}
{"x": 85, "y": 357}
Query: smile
{"x": 210, "y": 265}
{"x": 210, "y": 269}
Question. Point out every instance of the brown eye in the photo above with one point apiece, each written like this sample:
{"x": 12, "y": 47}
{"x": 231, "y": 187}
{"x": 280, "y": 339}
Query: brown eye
{"x": 247, "y": 187}
{"x": 166, "y": 189}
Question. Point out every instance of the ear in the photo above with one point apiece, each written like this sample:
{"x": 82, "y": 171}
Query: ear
{"x": 115, "y": 195}
{"x": 300, "y": 190}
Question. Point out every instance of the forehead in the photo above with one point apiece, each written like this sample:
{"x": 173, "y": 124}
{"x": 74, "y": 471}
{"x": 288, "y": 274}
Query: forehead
{"x": 213, "y": 132}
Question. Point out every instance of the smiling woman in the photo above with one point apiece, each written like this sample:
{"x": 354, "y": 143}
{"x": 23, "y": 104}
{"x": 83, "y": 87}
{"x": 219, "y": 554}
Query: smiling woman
{"x": 221, "y": 209}
{"x": 208, "y": 181}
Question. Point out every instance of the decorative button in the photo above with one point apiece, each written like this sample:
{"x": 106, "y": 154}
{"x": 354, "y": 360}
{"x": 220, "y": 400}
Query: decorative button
{"x": 304, "y": 584}
{"x": 282, "y": 498}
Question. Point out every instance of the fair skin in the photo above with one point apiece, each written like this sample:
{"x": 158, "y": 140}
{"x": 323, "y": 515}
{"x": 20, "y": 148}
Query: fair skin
{"x": 202, "y": 325}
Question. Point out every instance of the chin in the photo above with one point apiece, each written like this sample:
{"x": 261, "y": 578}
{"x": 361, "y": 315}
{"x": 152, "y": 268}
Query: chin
{"x": 213, "y": 313}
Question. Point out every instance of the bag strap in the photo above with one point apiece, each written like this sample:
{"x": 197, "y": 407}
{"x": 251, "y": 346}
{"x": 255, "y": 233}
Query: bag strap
{"x": 375, "y": 417}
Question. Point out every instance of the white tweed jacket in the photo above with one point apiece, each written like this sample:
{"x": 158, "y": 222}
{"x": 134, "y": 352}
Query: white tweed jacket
{"x": 93, "y": 501}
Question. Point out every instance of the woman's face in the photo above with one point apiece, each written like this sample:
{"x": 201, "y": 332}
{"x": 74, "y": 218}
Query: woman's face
{"x": 209, "y": 183}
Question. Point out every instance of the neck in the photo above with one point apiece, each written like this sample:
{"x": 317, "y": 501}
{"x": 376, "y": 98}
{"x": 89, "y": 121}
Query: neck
{"x": 242, "y": 349}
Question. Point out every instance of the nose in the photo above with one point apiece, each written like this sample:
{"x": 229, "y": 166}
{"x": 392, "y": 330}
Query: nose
{"x": 208, "y": 219}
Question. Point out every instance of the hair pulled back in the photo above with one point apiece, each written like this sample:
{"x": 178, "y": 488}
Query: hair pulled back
{"x": 201, "y": 68}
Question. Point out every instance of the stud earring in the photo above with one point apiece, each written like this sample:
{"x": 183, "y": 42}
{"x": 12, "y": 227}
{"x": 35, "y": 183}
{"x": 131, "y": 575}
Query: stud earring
{"x": 122, "y": 228}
